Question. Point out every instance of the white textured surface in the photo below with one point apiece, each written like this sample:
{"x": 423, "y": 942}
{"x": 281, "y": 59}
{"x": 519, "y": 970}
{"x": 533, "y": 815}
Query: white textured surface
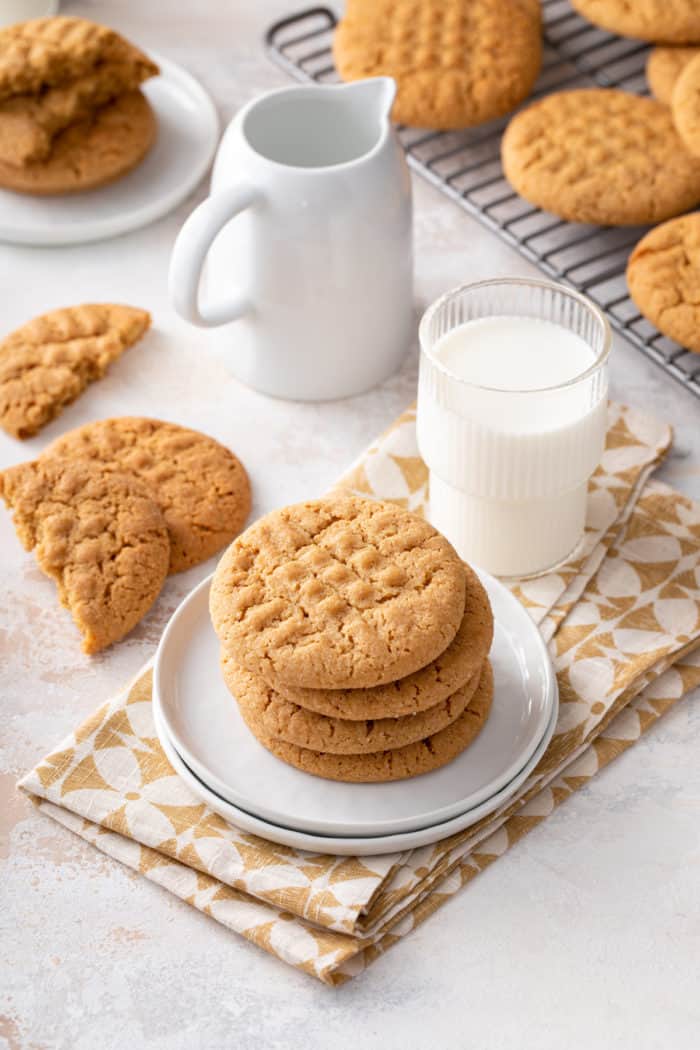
{"x": 586, "y": 934}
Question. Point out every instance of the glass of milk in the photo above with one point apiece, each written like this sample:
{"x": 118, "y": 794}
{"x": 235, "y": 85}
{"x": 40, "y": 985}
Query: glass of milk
{"x": 511, "y": 419}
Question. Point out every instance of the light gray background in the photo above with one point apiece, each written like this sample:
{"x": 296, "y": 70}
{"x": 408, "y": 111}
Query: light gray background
{"x": 586, "y": 934}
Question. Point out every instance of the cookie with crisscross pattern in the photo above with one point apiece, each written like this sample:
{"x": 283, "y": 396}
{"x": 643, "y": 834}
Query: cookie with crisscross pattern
{"x": 456, "y": 63}
{"x": 338, "y": 593}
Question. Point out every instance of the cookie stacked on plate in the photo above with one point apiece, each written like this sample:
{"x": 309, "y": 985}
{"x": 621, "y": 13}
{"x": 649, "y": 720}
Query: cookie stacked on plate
{"x": 354, "y": 640}
{"x": 72, "y": 116}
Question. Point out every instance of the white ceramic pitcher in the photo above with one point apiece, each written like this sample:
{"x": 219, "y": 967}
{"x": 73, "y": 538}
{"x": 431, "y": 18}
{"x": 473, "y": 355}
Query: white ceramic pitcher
{"x": 316, "y": 270}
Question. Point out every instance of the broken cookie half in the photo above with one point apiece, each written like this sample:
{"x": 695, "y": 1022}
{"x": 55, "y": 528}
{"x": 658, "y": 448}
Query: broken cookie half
{"x": 98, "y": 534}
{"x": 47, "y": 363}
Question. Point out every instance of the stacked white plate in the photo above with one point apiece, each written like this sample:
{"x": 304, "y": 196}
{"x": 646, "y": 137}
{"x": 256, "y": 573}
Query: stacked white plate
{"x": 209, "y": 745}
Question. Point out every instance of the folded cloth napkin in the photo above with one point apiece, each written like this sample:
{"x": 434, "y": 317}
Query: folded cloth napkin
{"x": 622, "y": 618}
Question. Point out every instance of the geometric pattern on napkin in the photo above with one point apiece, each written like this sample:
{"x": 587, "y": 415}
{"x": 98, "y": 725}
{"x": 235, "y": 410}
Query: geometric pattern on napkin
{"x": 623, "y": 653}
{"x": 411, "y": 891}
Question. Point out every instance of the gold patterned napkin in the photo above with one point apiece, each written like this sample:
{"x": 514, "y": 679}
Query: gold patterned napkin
{"x": 623, "y": 620}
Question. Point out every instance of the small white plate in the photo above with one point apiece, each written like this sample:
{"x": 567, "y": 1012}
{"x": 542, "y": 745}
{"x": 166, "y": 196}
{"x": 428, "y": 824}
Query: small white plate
{"x": 188, "y": 131}
{"x": 203, "y": 722}
{"x": 342, "y": 846}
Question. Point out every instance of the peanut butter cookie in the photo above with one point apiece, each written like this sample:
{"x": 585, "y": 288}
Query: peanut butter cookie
{"x": 44, "y": 52}
{"x": 282, "y": 720}
{"x": 201, "y": 486}
{"x": 685, "y": 106}
{"x": 455, "y": 62}
{"x": 98, "y": 534}
{"x": 664, "y": 66}
{"x": 658, "y": 21}
{"x": 421, "y": 690}
{"x": 337, "y": 593}
{"x": 663, "y": 276}
{"x": 600, "y": 156}
{"x": 30, "y": 123}
{"x": 47, "y": 363}
{"x": 91, "y": 153}
{"x": 423, "y": 756}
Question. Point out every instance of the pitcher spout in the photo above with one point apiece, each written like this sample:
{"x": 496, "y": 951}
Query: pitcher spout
{"x": 320, "y": 125}
{"x": 374, "y": 95}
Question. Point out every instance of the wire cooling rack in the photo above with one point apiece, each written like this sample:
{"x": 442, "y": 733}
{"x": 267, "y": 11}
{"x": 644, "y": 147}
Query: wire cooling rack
{"x": 466, "y": 166}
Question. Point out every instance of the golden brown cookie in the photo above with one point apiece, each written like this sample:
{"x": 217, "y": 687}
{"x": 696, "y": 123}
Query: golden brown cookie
{"x": 337, "y": 593}
{"x": 600, "y": 156}
{"x": 98, "y": 534}
{"x": 201, "y": 486}
{"x": 282, "y": 720}
{"x": 685, "y": 106}
{"x": 48, "y": 362}
{"x": 29, "y": 123}
{"x": 93, "y": 152}
{"x": 423, "y": 756}
{"x": 663, "y": 276}
{"x": 456, "y": 63}
{"x": 664, "y": 66}
{"x": 658, "y": 21}
{"x": 44, "y": 52}
{"x": 424, "y": 688}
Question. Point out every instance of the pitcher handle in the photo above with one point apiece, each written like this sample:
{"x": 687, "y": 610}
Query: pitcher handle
{"x": 191, "y": 248}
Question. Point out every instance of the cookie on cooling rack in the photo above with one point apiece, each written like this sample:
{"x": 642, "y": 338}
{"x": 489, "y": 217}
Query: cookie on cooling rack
{"x": 658, "y": 21}
{"x": 664, "y": 66}
{"x": 685, "y": 106}
{"x": 456, "y": 63}
{"x": 663, "y": 276}
{"x": 601, "y": 156}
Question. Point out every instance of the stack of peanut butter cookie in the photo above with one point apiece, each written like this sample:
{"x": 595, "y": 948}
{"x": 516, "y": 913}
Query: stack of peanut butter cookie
{"x": 354, "y": 640}
{"x": 72, "y": 116}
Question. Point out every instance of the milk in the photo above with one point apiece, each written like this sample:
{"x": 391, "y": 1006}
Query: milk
{"x": 511, "y": 422}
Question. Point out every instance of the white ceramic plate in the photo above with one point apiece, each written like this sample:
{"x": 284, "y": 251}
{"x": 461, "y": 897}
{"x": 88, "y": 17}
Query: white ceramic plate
{"x": 343, "y": 846}
{"x": 203, "y": 722}
{"x": 188, "y": 131}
